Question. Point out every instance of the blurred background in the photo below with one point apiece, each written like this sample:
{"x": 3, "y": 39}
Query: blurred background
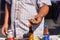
{"x": 52, "y": 19}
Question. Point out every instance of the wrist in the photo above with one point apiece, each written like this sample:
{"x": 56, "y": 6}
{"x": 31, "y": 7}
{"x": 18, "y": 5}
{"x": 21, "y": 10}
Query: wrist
{"x": 40, "y": 16}
{"x": 5, "y": 22}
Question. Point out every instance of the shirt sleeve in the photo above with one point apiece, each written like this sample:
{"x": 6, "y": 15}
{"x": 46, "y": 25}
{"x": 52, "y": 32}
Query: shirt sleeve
{"x": 9, "y": 1}
{"x": 42, "y": 2}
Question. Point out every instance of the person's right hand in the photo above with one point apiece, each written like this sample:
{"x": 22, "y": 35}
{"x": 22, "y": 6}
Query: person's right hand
{"x": 4, "y": 29}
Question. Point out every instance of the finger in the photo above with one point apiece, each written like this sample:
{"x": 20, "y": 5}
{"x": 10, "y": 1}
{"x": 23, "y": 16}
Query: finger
{"x": 6, "y": 30}
{"x": 3, "y": 32}
{"x": 30, "y": 25}
{"x": 36, "y": 16}
{"x": 37, "y": 21}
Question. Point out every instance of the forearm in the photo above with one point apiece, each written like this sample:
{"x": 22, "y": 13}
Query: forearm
{"x": 43, "y": 11}
{"x": 6, "y": 14}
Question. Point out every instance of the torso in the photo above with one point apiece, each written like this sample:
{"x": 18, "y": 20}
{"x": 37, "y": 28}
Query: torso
{"x": 25, "y": 9}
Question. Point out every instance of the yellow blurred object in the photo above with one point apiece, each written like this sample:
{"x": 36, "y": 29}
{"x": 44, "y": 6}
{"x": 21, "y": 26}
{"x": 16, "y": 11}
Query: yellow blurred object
{"x": 31, "y": 36}
{"x": 36, "y": 38}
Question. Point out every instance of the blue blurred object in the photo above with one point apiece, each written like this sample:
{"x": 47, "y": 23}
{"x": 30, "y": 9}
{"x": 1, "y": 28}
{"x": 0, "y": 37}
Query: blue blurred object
{"x": 46, "y": 37}
{"x": 46, "y": 26}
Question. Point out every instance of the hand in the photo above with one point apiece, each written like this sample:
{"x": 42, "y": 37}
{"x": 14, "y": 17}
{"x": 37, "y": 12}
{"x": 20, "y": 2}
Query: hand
{"x": 4, "y": 29}
{"x": 38, "y": 19}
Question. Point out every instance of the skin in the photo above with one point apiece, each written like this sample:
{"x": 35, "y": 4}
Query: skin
{"x": 5, "y": 25}
{"x": 43, "y": 12}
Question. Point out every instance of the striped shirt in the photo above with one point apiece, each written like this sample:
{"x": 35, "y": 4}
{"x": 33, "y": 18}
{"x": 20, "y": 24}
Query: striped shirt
{"x": 25, "y": 9}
